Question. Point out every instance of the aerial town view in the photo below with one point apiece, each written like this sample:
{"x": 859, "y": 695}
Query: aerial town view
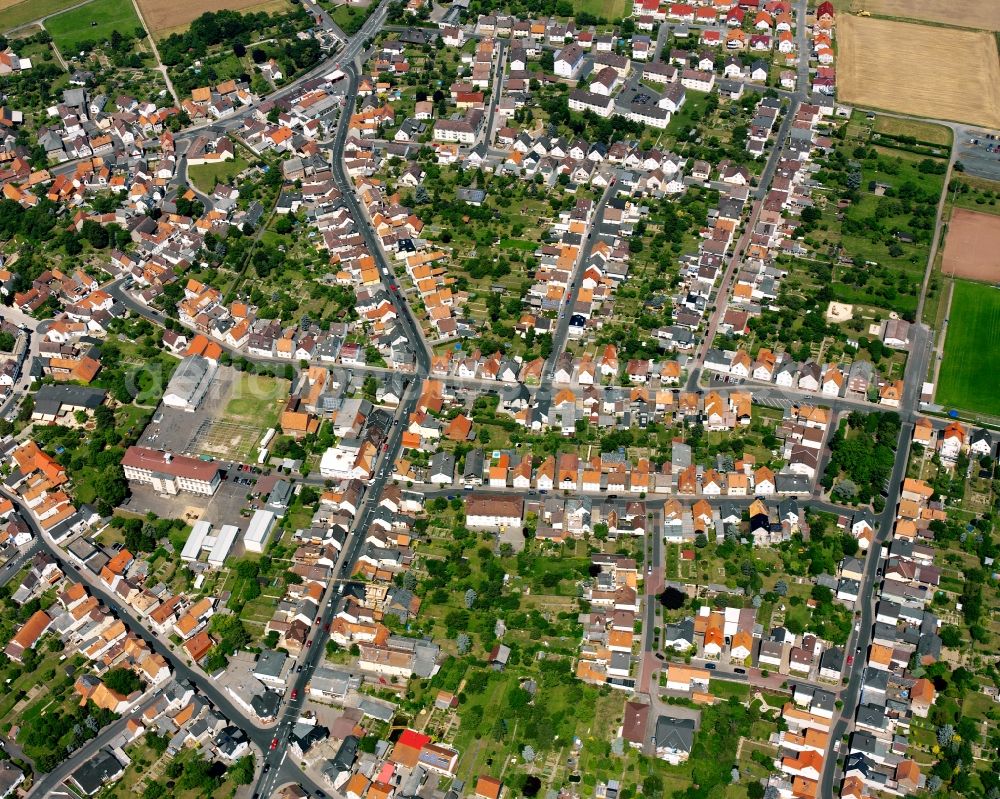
{"x": 454, "y": 399}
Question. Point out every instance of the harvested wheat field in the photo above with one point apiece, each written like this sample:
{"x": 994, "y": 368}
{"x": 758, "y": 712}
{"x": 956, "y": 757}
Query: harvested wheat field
{"x": 164, "y": 18}
{"x": 971, "y": 246}
{"x": 939, "y": 73}
{"x": 983, "y": 14}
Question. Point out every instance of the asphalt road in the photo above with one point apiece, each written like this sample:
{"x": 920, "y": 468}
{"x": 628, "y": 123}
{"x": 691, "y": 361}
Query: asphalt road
{"x": 10, "y": 569}
{"x": 487, "y": 129}
{"x": 566, "y": 309}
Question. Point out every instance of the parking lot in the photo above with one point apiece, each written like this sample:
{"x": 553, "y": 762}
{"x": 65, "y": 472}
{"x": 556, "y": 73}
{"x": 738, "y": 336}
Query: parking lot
{"x": 979, "y": 153}
{"x": 223, "y": 508}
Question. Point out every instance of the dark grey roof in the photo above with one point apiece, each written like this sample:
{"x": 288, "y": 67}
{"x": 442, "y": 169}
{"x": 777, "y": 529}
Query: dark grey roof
{"x": 96, "y": 772}
{"x": 346, "y": 755}
{"x": 674, "y": 733}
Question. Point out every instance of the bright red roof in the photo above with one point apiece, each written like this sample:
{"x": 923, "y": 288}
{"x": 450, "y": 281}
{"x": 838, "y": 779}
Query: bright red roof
{"x": 413, "y": 739}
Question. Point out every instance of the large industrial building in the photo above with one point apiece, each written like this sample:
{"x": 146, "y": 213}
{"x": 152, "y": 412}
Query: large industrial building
{"x": 255, "y": 538}
{"x": 217, "y": 546}
{"x": 190, "y": 382}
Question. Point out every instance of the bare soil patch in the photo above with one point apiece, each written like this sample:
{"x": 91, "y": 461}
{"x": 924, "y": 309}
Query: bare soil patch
{"x": 174, "y": 17}
{"x": 932, "y": 72}
{"x": 971, "y": 246}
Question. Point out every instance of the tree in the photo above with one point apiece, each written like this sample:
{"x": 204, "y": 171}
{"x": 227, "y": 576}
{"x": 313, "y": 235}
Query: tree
{"x": 672, "y": 599}
{"x": 242, "y": 770}
{"x": 945, "y": 734}
{"x": 528, "y": 753}
{"x": 463, "y": 643}
{"x": 951, "y": 636}
{"x": 755, "y": 790}
{"x": 239, "y": 49}
{"x": 470, "y": 599}
{"x": 652, "y": 785}
{"x": 122, "y": 681}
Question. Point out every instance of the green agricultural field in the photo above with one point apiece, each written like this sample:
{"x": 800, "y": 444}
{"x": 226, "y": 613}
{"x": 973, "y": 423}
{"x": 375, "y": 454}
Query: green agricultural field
{"x": 73, "y": 28}
{"x": 972, "y": 350}
{"x": 21, "y": 12}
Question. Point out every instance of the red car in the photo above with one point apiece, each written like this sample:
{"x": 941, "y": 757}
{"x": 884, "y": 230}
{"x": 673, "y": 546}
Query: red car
{"x": 274, "y": 743}
{"x": 295, "y": 695}
{"x": 850, "y": 660}
{"x": 309, "y": 644}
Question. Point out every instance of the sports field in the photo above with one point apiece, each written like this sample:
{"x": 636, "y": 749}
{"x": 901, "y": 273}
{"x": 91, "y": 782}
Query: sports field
{"x": 983, "y": 14}
{"x": 71, "y": 28}
{"x": 252, "y": 406}
{"x": 609, "y": 9}
{"x": 972, "y": 350}
{"x": 923, "y": 70}
{"x": 971, "y": 246}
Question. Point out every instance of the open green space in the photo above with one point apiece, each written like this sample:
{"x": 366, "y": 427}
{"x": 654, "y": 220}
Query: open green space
{"x": 349, "y": 18}
{"x": 971, "y": 350}
{"x": 255, "y": 397}
{"x": 920, "y": 131}
{"x": 26, "y": 11}
{"x": 93, "y": 22}
{"x": 608, "y": 9}
{"x": 206, "y": 176}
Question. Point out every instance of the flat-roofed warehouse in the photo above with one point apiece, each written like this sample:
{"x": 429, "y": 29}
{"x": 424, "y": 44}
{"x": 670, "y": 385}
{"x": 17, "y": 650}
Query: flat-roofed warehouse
{"x": 190, "y": 382}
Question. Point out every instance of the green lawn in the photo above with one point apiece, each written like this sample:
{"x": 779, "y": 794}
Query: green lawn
{"x": 972, "y": 350}
{"x": 921, "y": 131}
{"x": 206, "y": 176}
{"x": 610, "y": 10}
{"x": 254, "y": 398}
{"x": 29, "y": 10}
{"x": 349, "y": 18}
{"x": 72, "y": 28}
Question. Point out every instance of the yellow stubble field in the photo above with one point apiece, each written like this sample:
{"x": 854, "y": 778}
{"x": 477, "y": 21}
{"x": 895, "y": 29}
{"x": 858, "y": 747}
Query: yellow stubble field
{"x": 938, "y": 73}
{"x": 982, "y": 14}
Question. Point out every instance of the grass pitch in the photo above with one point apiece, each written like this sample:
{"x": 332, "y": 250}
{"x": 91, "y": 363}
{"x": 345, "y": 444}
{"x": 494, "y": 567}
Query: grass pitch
{"x": 972, "y": 350}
